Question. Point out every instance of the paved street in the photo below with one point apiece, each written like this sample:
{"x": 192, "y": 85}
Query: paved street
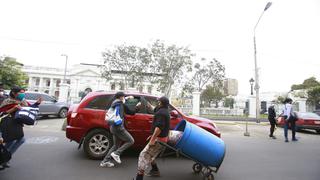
{"x": 48, "y": 155}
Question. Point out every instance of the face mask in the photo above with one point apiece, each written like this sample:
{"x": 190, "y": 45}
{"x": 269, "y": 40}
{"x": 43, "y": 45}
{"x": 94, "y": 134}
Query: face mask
{"x": 21, "y": 96}
{"x": 124, "y": 100}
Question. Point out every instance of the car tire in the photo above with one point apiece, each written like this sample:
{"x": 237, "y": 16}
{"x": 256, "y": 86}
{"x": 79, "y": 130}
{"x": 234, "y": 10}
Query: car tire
{"x": 63, "y": 112}
{"x": 97, "y": 143}
{"x": 318, "y": 131}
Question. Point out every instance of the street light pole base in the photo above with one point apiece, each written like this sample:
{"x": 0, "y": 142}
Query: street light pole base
{"x": 246, "y": 134}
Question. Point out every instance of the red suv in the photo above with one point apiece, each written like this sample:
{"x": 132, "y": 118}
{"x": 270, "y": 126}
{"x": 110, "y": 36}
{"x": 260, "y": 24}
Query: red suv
{"x": 86, "y": 124}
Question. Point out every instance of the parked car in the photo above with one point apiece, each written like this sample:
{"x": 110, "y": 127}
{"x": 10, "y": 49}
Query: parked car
{"x": 86, "y": 124}
{"x": 49, "y": 105}
{"x": 317, "y": 111}
{"x": 306, "y": 120}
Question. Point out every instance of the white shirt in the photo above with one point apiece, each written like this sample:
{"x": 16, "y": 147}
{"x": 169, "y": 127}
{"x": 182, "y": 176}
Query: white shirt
{"x": 287, "y": 111}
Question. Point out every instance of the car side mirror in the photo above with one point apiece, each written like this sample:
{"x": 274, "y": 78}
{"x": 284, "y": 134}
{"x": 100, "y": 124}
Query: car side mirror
{"x": 174, "y": 114}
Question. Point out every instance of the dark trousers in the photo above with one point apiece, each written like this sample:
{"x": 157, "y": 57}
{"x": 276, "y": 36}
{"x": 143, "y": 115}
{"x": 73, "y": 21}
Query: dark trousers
{"x": 272, "y": 126}
{"x": 293, "y": 128}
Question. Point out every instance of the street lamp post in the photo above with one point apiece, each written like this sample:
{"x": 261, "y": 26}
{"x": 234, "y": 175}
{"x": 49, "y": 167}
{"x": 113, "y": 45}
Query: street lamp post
{"x": 256, "y": 86}
{"x": 251, "y": 81}
{"x": 65, "y": 68}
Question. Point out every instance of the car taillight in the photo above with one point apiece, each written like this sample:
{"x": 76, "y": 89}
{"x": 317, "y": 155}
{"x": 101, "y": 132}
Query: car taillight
{"x": 74, "y": 114}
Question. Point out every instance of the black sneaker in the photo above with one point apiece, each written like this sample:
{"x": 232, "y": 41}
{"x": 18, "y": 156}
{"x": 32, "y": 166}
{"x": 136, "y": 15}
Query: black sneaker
{"x": 153, "y": 173}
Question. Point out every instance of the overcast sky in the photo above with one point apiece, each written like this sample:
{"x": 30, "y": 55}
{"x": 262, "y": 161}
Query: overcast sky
{"x": 37, "y": 32}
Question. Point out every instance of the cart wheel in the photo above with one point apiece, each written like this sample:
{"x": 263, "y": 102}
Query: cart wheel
{"x": 197, "y": 168}
{"x": 208, "y": 176}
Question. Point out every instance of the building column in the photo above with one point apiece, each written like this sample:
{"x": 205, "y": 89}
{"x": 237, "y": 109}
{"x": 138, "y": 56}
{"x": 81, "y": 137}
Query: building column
{"x": 64, "y": 92}
{"x": 196, "y": 103}
{"x": 51, "y": 89}
{"x": 30, "y": 84}
{"x": 41, "y": 85}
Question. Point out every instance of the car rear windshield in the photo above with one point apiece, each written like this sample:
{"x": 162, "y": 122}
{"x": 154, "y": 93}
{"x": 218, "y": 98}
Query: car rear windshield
{"x": 100, "y": 102}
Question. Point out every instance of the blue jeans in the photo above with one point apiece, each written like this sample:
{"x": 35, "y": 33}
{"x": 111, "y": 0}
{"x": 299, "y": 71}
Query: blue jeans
{"x": 14, "y": 145}
{"x": 293, "y": 128}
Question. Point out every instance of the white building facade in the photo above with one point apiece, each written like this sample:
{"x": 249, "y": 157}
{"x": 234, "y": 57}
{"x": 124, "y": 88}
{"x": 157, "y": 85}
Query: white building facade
{"x": 80, "y": 78}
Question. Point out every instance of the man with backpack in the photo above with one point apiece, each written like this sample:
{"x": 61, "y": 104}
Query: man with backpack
{"x": 119, "y": 133}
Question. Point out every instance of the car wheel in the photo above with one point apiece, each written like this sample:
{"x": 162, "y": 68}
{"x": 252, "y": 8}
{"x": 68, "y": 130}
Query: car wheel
{"x": 318, "y": 131}
{"x": 63, "y": 112}
{"x": 97, "y": 143}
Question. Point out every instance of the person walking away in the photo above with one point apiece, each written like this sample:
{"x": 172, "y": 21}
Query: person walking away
{"x": 289, "y": 118}
{"x": 12, "y": 134}
{"x": 272, "y": 120}
{"x": 160, "y": 131}
{"x": 119, "y": 133}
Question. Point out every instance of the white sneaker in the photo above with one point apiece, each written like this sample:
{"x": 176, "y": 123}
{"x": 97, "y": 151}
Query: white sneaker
{"x": 116, "y": 157}
{"x": 106, "y": 164}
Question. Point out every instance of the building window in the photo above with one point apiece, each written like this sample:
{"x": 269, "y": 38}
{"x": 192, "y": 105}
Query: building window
{"x": 68, "y": 81}
{"x": 113, "y": 86}
{"x": 46, "y": 91}
{"x": 37, "y": 81}
{"x": 56, "y": 94}
{"x": 149, "y": 89}
{"x": 132, "y": 82}
{"x": 58, "y": 83}
{"x": 121, "y": 85}
{"x": 36, "y": 90}
{"x": 48, "y": 82}
{"x": 140, "y": 88}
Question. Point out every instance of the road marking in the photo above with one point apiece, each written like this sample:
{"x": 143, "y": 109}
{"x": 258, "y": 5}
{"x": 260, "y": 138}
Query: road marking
{"x": 42, "y": 140}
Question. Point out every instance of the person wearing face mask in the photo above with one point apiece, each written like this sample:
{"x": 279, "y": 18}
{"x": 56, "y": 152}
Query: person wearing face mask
{"x": 119, "y": 133}
{"x": 11, "y": 132}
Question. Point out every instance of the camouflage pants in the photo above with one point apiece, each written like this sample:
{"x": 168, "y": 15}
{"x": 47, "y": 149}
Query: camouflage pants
{"x": 148, "y": 155}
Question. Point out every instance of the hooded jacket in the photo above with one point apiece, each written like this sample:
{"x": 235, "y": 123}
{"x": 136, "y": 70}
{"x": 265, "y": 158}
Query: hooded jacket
{"x": 123, "y": 108}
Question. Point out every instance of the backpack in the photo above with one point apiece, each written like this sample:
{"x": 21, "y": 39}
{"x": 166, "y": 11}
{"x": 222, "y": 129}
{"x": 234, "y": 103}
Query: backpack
{"x": 26, "y": 115}
{"x": 113, "y": 116}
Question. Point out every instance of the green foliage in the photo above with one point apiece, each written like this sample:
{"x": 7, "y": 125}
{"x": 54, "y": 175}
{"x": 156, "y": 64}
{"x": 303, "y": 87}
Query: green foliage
{"x": 314, "y": 95}
{"x": 172, "y": 61}
{"x": 10, "y": 73}
{"x": 307, "y": 84}
{"x": 211, "y": 94}
{"x": 213, "y": 72}
{"x": 228, "y": 102}
{"x": 280, "y": 100}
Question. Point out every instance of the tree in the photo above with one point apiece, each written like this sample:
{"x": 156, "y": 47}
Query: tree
{"x": 228, "y": 102}
{"x": 10, "y": 72}
{"x": 171, "y": 62}
{"x": 307, "y": 84}
{"x": 314, "y": 96}
{"x": 124, "y": 60}
{"x": 212, "y": 94}
{"x": 212, "y": 72}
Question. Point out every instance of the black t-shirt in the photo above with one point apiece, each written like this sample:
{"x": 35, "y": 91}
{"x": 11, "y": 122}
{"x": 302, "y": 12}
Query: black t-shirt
{"x": 161, "y": 120}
